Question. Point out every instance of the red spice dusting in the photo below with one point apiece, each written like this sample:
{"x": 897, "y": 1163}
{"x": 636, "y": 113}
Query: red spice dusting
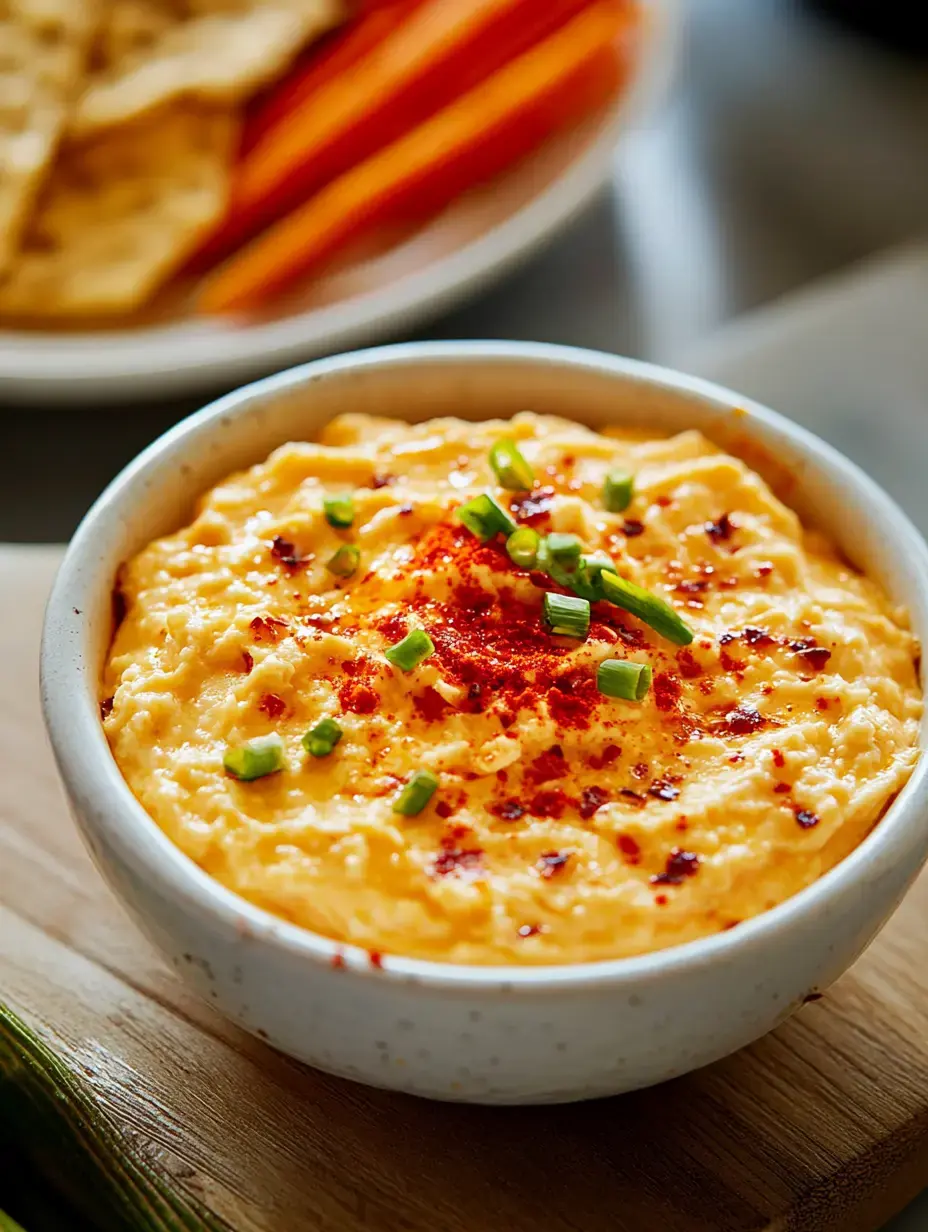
{"x": 547, "y": 766}
{"x": 572, "y": 700}
{"x": 744, "y": 719}
{"x": 721, "y": 529}
{"x": 507, "y": 810}
{"x": 632, "y": 528}
{"x": 822, "y": 703}
{"x": 782, "y": 789}
{"x": 813, "y": 657}
{"x": 778, "y": 759}
{"x": 267, "y": 628}
{"x": 755, "y": 636}
{"x": 337, "y": 961}
{"x": 695, "y": 587}
{"x": 666, "y": 689}
{"x": 452, "y": 861}
{"x": 551, "y": 803}
{"x": 382, "y": 481}
{"x": 541, "y": 580}
{"x": 661, "y": 900}
{"x": 599, "y": 761}
{"x": 551, "y": 863}
{"x": 358, "y": 698}
{"x": 660, "y": 789}
{"x": 529, "y": 930}
{"x": 591, "y": 799}
{"x": 806, "y": 818}
{"x": 247, "y": 661}
{"x": 443, "y": 809}
{"x": 629, "y": 848}
{"x": 430, "y": 706}
{"x": 534, "y": 508}
{"x": 272, "y": 705}
{"x": 106, "y": 707}
{"x": 680, "y": 865}
{"x": 284, "y": 551}
{"x": 375, "y": 958}
{"x": 687, "y": 664}
{"x": 663, "y": 501}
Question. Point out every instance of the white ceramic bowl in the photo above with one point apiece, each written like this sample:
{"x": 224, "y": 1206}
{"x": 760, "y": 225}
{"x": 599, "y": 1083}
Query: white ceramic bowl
{"x": 496, "y": 1035}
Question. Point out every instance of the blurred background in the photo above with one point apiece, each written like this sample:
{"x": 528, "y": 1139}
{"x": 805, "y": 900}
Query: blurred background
{"x": 794, "y": 143}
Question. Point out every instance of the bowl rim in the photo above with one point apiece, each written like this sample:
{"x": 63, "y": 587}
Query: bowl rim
{"x": 92, "y": 777}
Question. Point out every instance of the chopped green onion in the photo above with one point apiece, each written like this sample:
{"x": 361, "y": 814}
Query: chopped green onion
{"x": 594, "y": 564}
{"x": 345, "y": 561}
{"x": 339, "y": 511}
{"x": 415, "y": 795}
{"x": 485, "y": 517}
{"x": 255, "y": 758}
{"x": 320, "y": 740}
{"x": 621, "y": 678}
{"x": 659, "y": 615}
{"x": 617, "y": 491}
{"x": 566, "y": 615}
{"x": 510, "y": 468}
{"x": 522, "y": 546}
{"x": 414, "y": 649}
{"x": 564, "y": 548}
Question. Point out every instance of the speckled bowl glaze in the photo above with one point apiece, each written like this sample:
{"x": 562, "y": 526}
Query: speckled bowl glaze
{"x": 491, "y": 1035}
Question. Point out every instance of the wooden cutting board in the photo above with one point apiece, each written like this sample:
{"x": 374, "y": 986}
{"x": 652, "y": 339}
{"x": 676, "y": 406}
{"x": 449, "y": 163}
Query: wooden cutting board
{"x": 823, "y": 1124}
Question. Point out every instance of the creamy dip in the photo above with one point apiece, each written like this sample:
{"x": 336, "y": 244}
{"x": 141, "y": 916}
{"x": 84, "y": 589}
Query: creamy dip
{"x": 566, "y": 825}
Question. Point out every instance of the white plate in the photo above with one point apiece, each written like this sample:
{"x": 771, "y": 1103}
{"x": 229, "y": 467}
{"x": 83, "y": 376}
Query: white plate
{"x": 473, "y": 242}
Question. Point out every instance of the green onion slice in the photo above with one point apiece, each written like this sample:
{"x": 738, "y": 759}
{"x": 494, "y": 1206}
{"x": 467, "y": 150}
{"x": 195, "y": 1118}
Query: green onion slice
{"x": 621, "y": 678}
{"x": 339, "y": 511}
{"x": 345, "y": 561}
{"x": 566, "y": 615}
{"x": 485, "y": 517}
{"x": 565, "y": 549}
{"x": 255, "y": 758}
{"x": 659, "y": 615}
{"x": 320, "y": 740}
{"x": 618, "y": 489}
{"x": 414, "y": 649}
{"x": 522, "y": 546}
{"x": 415, "y": 795}
{"x": 509, "y": 466}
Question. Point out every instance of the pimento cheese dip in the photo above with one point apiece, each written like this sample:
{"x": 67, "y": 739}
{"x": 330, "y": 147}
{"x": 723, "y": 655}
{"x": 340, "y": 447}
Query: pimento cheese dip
{"x": 476, "y": 796}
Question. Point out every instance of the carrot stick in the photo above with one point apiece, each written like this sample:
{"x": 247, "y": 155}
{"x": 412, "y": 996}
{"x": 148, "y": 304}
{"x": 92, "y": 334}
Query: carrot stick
{"x": 504, "y": 118}
{"x": 438, "y": 53}
{"x": 338, "y": 53}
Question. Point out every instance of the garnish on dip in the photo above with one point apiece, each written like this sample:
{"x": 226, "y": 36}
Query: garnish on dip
{"x": 255, "y": 759}
{"x": 320, "y": 740}
{"x": 414, "y": 649}
{"x": 621, "y": 678}
{"x": 510, "y": 468}
{"x": 415, "y": 795}
{"x": 339, "y": 511}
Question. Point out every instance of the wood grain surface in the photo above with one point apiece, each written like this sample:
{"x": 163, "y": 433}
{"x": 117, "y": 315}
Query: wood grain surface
{"x": 823, "y": 1124}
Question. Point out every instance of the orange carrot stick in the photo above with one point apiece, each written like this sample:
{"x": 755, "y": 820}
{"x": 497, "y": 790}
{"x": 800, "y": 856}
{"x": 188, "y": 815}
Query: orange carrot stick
{"x": 438, "y": 53}
{"x": 504, "y": 118}
{"x": 338, "y": 53}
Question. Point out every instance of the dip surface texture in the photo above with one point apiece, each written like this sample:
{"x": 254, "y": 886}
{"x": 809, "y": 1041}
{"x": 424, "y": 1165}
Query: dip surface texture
{"x": 567, "y": 826}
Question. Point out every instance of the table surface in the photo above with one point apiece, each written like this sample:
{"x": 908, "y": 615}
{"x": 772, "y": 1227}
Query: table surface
{"x": 787, "y": 149}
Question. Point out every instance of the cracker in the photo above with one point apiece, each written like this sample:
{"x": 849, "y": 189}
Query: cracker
{"x": 43, "y": 53}
{"x": 153, "y": 51}
{"x": 120, "y": 212}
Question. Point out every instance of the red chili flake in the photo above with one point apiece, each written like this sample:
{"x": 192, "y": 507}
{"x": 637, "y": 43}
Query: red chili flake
{"x": 552, "y": 862}
{"x": 466, "y": 864}
{"x": 284, "y": 551}
{"x": 632, "y": 528}
{"x": 813, "y": 657}
{"x": 272, "y": 705}
{"x": 547, "y": 766}
{"x": 744, "y": 719}
{"x": 591, "y": 799}
{"x": 535, "y": 507}
{"x": 443, "y": 809}
{"x": 778, "y": 759}
{"x": 629, "y": 848}
{"x": 640, "y": 770}
{"x": 730, "y": 664}
{"x": 693, "y": 587}
{"x": 337, "y": 961}
{"x": 783, "y": 789}
{"x": 551, "y": 803}
{"x": 573, "y": 700}
{"x": 764, "y": 569}
{"x": 680, "y": 865}
{"x": 507, "y": 810}
{"x": 375, "y": 958}
{"x": 687, "y": 664}
{"x": 663, "y": 501}
{"x": 358, "y": 698}
{"x": 247, "y": 661}
{"x": 729, "y": 583}
{"x": 721, "y": 529}
{"x": 822, "y": 703}
{"x": 806, "y": 818}
{"x": 404, "y": 511}
{"x": 430, "y": 706}
{"x": 529, "y": 930}
{"x": 666, "y": 689}
{"x": 736, "y": 758}
{"x": 106, "y": 707}
{"x": 631, "y": 795}
{"x": 267, "y": 628}
{"x": 599, "y": 761}
{"x": 661, "y": 900}
{"x": 568, "y": 461}
{"x": 681, "y": 824}
{"x": 660, "y": 789}
{"x": 755, "y": 636}
{"x": 541, "y": 580}
{"x": 382, "y": 481}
